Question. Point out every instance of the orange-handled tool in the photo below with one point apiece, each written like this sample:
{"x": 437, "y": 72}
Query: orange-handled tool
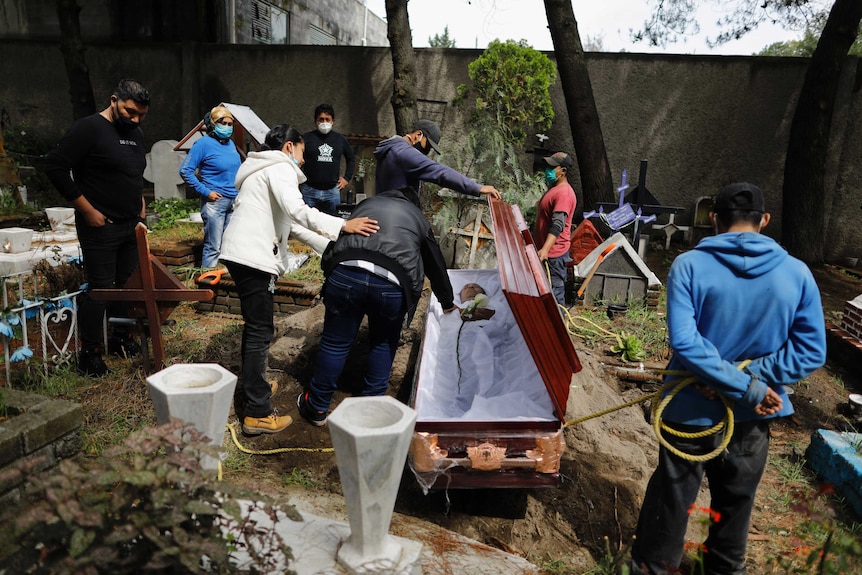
{"x": 605, "y": 253}
{"x": 211, "y": 277}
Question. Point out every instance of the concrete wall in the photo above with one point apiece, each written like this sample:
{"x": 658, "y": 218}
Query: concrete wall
{"x": 345, "y": 20}
{"x": 701, "y": 121}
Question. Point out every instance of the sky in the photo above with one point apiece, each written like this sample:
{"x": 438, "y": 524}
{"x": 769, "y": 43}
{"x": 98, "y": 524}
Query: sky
{"x": 474, "y": 23}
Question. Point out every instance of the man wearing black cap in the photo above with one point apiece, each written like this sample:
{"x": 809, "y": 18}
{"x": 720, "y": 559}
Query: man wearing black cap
{"x": 553, "y": 229}
{"x": 737, "y": 296}
{"x": 403, "y": 161}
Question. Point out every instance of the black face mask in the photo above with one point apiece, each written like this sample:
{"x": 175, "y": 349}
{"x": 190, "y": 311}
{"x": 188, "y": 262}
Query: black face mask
{"x": 425, "y": 150}
{"x": 122, "y": 123}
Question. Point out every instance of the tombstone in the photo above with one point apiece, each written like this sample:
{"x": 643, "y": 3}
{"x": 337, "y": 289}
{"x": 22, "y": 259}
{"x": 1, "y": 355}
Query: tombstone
{"x": 163, "y": 170}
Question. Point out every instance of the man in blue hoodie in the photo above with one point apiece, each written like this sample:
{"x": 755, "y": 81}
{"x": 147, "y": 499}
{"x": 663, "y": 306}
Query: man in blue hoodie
{"x": 737, "y": 296}
{"x": 403, "y": 161}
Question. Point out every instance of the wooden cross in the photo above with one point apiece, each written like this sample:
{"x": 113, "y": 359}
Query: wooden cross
{"x": 475, "y": 236}
{"x": 154, "y": 293}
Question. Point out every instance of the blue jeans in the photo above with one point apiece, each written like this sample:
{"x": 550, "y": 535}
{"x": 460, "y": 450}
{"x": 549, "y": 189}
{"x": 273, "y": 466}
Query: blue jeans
{"x": 216, "y": 216}
{"x": 733, "y": 479}
{"x": 350, "y": 294}
{"x": 559, "y": 272}
{"x": 324, "y": 200}
{"x": 110, "y": 256}
{"x": 257, "y": 303}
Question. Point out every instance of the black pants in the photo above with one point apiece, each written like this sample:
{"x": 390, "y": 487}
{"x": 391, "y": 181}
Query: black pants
{"x": 733, "y": 479}
{"x": 256, "y": 302}
{"x": 110, "y": 256}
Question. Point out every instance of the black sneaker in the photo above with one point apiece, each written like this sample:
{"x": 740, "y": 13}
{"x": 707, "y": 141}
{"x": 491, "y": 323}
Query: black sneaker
{"x": 91, "y": 364}
{"x": 308, "y": 413}
{"x": 123, "y": 346}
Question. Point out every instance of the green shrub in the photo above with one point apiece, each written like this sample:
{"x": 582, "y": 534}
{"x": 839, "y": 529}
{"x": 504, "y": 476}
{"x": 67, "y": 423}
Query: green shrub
{"x": 142, "y": 507}
{"x": 172, "y": 209}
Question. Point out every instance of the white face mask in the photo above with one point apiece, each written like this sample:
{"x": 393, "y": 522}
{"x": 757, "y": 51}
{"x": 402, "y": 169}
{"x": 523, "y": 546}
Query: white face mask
{"x": 324, "y": 127}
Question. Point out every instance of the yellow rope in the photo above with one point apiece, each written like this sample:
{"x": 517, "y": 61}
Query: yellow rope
{"x": 232, "y": 428}
{"x": 658, "y": 425}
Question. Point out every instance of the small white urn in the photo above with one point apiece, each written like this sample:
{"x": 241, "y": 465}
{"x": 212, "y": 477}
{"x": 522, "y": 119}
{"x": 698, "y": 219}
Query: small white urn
{"x": 371, "y": 436}
{"x": 197, "y": 393}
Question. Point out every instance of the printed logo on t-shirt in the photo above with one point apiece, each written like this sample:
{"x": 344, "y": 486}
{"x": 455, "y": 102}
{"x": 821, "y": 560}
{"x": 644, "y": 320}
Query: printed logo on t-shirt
{"x": 128, "y": 142}
{"x": 324, "y": 153}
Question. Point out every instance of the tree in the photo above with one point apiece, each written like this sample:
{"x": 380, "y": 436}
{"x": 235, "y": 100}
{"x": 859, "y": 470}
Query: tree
{"x": 803, "y": 205}
{"x": 804, "y": 47}
{"x": 72, "y": 47}
{"x": 511, "y": 83}
{"x": 578, "y": 91}
{"x": 510, "y": 93}
{"x": 443, "y": 41}
{"x": 403, "y": 67}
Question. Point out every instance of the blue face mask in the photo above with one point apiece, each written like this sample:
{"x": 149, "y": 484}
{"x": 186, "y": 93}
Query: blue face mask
{"x": 223, "y": 132}
{"x": 551, "y": 176}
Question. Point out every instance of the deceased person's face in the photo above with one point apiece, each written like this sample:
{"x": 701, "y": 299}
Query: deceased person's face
{"x": 469, "y": 291}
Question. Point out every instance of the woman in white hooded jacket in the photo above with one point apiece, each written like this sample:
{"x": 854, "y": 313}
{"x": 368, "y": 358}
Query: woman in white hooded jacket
{"x": 268, "y": 210}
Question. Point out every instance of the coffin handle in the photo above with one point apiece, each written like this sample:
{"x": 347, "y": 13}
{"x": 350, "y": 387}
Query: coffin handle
{"x": 424, "y": 452}
{"x": 549, "y": 450}
{"x": 486, "y": 456}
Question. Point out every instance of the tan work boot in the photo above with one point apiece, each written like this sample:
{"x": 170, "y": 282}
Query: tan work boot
{"x": 273, "y": 385}
{"x": 272, "y": 423}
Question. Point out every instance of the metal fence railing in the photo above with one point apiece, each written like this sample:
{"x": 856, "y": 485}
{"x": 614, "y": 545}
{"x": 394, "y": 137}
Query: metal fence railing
{"x": 54, "y": 316}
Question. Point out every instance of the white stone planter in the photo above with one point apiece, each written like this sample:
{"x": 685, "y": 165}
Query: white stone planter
{"x": 371, "y": 436}
{"x": 61, "y": 219}
{"x": 197, "y": 393}
{"x": 15, "y": 240}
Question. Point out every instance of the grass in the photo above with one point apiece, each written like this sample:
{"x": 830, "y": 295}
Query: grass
{"x": 791, "y": 471}
{"x": 300, "y": 477}
{"x": 645, "y": 326}
{"x": 308, "y": 272}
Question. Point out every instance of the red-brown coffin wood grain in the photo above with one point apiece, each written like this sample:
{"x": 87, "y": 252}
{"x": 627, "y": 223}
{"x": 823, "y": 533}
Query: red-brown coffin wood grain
{"x": 523, "y": 280}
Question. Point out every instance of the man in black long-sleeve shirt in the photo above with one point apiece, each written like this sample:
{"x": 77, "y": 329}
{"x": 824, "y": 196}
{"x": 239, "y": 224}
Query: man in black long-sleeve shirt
{"x": 98, "y": 167}
{"x": 323, "y": 151}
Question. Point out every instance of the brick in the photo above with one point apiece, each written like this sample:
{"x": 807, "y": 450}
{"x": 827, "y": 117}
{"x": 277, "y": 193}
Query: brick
{"x": 50, "y": 421}
{"x": 69, "y": 445}
{"x": 10, "y": 499}
{"x": 45, "y": 458}
{"x": 11, "y": 446}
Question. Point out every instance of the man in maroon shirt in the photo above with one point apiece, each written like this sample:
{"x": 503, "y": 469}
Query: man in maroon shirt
{"x": 554, "y": 222}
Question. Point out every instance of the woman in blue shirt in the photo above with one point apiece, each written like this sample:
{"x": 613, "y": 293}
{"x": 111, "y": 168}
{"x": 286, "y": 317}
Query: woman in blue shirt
{"x": 210, "y": 168}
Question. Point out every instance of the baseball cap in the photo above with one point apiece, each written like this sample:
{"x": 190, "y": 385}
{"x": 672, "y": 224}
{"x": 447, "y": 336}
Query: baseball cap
{"x": 220, "y": 112}
{"x": 741, "y": 196}
{"x": 431, "y": 131}
{"x": 559, "y": 159}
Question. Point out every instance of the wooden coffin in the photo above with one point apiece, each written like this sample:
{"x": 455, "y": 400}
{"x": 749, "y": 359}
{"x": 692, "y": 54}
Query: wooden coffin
{"x": 491, "y": 395}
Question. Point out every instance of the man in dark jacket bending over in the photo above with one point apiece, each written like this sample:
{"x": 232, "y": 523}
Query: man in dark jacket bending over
{"x": 403, "y": 161}
{"x": 380, "y": 276}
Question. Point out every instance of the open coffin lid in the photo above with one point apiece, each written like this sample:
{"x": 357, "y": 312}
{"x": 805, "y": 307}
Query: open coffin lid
{"x": 491, "y": 396}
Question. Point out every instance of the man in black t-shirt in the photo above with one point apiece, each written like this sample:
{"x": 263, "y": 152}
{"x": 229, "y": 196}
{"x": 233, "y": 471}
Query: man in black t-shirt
{"x": 323, "y": 151}
{"x": 98, "y": 167}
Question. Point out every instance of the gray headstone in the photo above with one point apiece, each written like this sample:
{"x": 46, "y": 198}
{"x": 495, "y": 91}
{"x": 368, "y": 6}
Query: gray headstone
{"x": 163, "y": 170}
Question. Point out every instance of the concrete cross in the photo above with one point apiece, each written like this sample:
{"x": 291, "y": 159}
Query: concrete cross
{"x": 154, "y": 292}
